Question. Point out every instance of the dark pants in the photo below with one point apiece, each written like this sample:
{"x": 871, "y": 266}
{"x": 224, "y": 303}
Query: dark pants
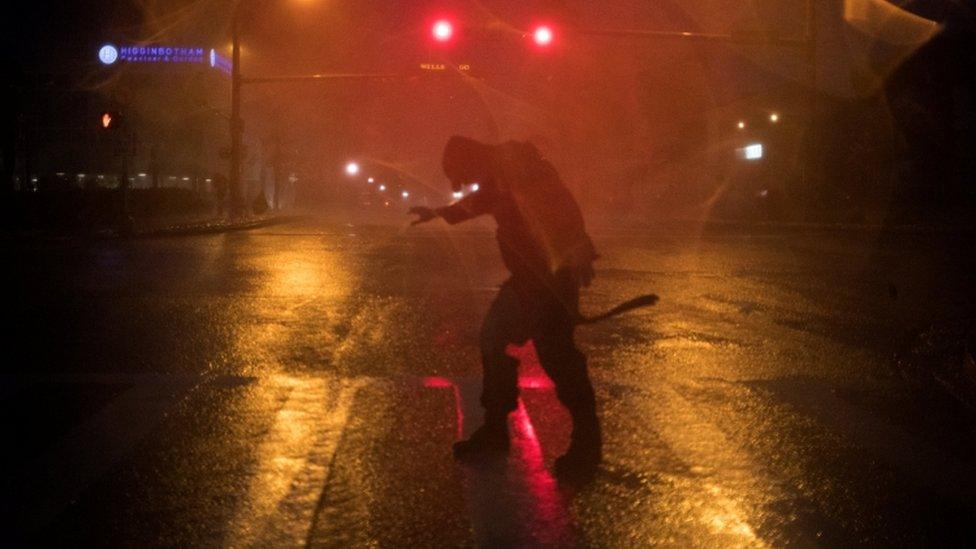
{"x": 543, "y": 312}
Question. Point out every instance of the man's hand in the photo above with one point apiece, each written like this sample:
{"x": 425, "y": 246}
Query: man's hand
{"x": 425, "y": 213}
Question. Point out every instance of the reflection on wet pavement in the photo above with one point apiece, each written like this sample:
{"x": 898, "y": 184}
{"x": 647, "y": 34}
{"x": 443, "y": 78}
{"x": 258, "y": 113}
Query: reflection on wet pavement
{"x": 303, "y": 386}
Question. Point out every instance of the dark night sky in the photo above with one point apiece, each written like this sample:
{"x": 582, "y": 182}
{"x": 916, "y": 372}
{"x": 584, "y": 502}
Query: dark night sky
{"x": 641, "y": 97}
{"x": 53, "y": 36}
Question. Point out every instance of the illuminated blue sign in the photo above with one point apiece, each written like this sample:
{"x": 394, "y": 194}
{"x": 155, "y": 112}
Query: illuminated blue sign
{"x": 220, "y": 62}
{"x": 108, "y": 54}
{"x": 161, "y": 54}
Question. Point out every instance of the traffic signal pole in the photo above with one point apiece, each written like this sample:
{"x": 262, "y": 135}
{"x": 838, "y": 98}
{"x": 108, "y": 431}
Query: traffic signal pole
{"x": 236, "y": 122}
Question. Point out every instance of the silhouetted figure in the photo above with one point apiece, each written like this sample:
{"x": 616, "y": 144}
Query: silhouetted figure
{"x": 545, "y": 247}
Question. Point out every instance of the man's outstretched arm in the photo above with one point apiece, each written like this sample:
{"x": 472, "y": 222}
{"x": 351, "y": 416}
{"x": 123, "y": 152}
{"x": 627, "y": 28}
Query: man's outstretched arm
{"x": 471, "y": 206}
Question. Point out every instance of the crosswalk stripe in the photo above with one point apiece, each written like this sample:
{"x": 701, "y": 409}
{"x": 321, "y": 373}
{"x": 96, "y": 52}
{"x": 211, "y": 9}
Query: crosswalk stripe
{"x": 293, "y": 463}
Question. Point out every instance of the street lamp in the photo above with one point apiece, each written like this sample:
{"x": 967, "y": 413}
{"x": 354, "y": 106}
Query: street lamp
{"x": 352, "y": 169}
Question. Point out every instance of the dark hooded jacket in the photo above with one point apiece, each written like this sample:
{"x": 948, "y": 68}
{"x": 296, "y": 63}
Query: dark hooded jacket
{"x": 540, "y": 227}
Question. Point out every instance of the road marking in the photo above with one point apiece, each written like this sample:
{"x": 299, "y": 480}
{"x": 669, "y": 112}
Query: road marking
{"x": 294, "y": 460}
{"x": 721, "y": 495}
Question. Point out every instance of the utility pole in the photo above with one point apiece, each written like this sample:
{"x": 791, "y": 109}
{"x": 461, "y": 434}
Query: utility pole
{"x": 236, "y": 123}
{"x": 277, "y": 165}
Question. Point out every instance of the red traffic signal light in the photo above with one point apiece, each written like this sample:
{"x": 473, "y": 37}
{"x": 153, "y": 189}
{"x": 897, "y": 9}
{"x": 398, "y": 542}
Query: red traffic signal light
{"x": 543, "y": 36}
{"x": 442, "y": 30}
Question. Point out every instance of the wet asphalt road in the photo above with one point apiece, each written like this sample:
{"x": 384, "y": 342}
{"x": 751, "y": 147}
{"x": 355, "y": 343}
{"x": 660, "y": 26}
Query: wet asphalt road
{"x": 302, "y": 384}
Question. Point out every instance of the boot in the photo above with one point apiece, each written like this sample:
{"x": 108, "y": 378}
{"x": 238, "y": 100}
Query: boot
{"x": 581, "y": 461}
{"x": 489, "y": 439}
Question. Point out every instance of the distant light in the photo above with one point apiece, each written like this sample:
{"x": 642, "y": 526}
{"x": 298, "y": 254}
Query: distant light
{"x": 33, "y": 180}
{"x": 774, "y": 118}
{"x": 753, "y": 151}
{"x": 742, "y": 125}
{"x": 107, "y": 120}
{"x": 475, "y": 187}
{"x": 100, "y": 176}
{"x": 208, "y": 180}
{"x": 142, "y": 175}
{"x": 172, "y": 177}
{"x": 60, "y": 174}
{"x": 213, "y": 57}
{"x": 442, "y": 30}
{"x": 369, "y": 180}
{"x": 405, "y": 194}
{"x": 81, "y": 176}
{"x": 186, "y": 179}
{"x": 457, "y": 195}
{"x": 108, "y": 54}
{"x": 382, "y": 187}
{"x": 352, "y": 168}
{"x": 542, "y": 35}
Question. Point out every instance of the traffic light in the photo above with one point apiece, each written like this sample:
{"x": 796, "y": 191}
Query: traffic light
{"x": 442, "y": 30}
{"x": 110, "y": 120}
{"x": 543, "y": 36}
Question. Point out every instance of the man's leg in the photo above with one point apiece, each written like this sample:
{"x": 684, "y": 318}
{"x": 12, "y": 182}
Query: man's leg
{"x": 503, "y": 325}
{"x": 565, "y": 364}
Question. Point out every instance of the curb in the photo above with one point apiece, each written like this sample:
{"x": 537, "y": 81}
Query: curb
{"x": 213, "y": 228}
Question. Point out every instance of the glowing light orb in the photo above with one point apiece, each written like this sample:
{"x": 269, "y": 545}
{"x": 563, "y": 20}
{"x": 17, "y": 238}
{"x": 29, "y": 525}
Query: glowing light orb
{"x": 542, "y": 35}
{"x": 442, "y": 30}
{"x": 352, "y": 168}
{"x": 108, "y": 54}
